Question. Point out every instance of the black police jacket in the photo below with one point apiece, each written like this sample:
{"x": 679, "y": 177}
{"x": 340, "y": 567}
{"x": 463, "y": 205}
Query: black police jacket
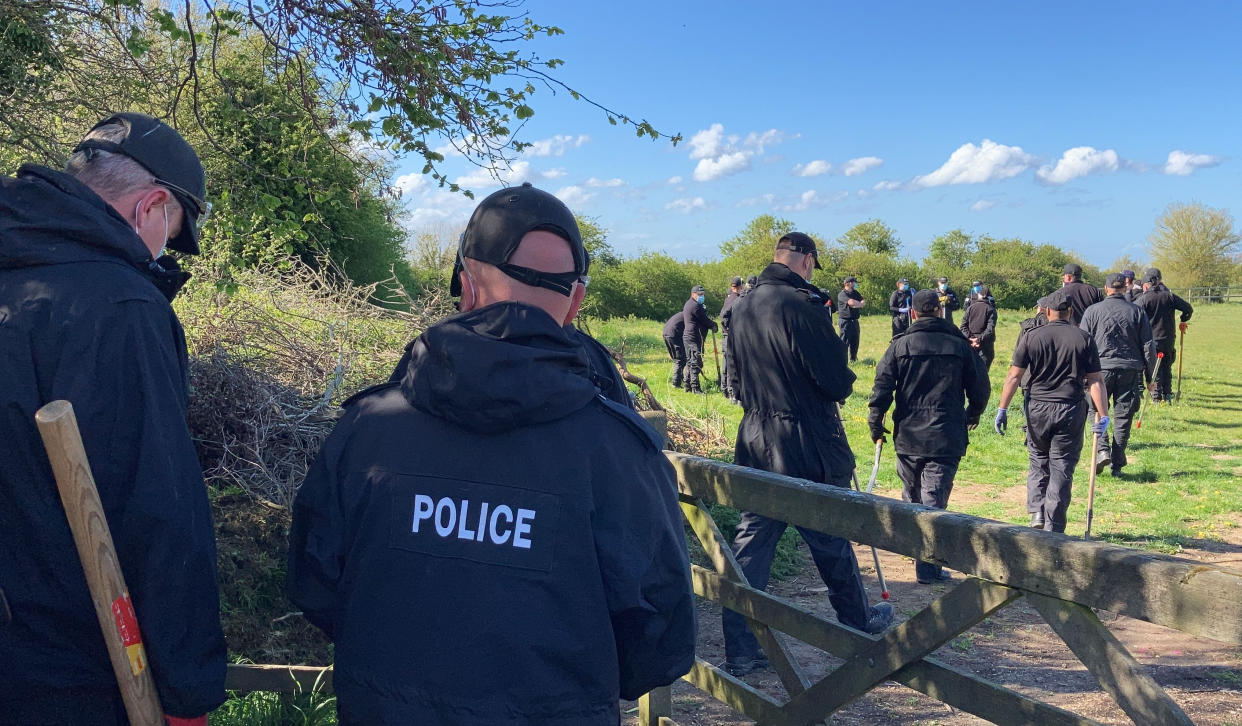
{"x": 731, "y": 298}
{"x": 491, "y": 541}
{"x": 1160, "y": 303}
{"x": 85, "y": 317}
{"x": 1122, "y": 334}
{"x": 932, "y": 372}
{"x": 675, "y": 326}
{"x": 979, "y": 321}
{"x": 696, "y": 321}
{"x": 1081, "y": 296}
{"x": 789, "y": 372}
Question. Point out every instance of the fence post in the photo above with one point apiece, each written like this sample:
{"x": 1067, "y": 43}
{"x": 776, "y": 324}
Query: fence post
{"x": 655, "y": 704}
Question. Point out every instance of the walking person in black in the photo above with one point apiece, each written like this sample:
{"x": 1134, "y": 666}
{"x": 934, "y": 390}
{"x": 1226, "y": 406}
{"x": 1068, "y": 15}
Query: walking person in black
{"x": 1124, "y": 340}
{"x": 931, "y": 372}
{"x": 673, "y": 330}
{"x": 791, "y": 372}
{"x": 979, "y": 326}
{"x": 948, "y": 299}
{"x": 1159, "y": 303}
{"x": 849, "y": 302}
{"x": 899, "y": 306}
{"x": 1062, "y": 362}
{"x": 735, "y": 292}
{"x": 1080, "y": 294}
{"x": 697, "y": 324}
{"x": 1133, "y": 288}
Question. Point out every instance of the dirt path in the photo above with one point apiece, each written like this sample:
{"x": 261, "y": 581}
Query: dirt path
{"x": 1014, "y": 648}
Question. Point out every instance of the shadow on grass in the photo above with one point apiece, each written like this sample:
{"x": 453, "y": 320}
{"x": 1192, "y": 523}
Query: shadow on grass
{"x": 1169, "y": 543}
{"x": 1143, "y": 476}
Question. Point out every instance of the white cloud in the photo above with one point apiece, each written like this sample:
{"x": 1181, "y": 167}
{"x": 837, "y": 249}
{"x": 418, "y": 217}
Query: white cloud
{"x": 593, "y": 182}
{"x": 674, "y": 180}
{"x": 720, "y": 155}
{"x": 1182, "y": 163}
{"x": 520, "y": 171}
{"x": 686, "y": 206}
{"x": 1078, "y": 162}
{"x": 410, "y": 183}
{"x": 854, "y": 167}
{"x": 982, "y": 204}
{"x": 437, "y": 206}
{"x": 811, "y": 199}
{"x": 556, "y": 146}
{"x": 818, "y": 167}
{"x": 972, "y": 164}
{"x": 886, "y": 186}
{"x": 708, "y": 169}
{"x": 762, "y": 199}
{"x": 573, "y": 195}
{"x": 554, "y": 173}
{"x": 707, "y": 143}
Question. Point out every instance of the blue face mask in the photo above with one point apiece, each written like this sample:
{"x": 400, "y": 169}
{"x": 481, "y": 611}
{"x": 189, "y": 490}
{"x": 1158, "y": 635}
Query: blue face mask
{"x": 701, "y": 298}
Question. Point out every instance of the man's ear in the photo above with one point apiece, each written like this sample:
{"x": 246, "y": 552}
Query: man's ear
{"x": 468, "y": 297}
{"x": 575, "y": 302}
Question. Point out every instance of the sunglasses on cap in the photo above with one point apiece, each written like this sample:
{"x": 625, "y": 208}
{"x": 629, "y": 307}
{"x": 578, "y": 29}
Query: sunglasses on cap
{"x": 193, "y": 207}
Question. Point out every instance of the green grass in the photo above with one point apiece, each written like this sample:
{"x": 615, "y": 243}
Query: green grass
{"x": 1174, "y": 492}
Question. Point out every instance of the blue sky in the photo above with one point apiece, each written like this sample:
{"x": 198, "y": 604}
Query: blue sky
{"x": 1074, "y": 124}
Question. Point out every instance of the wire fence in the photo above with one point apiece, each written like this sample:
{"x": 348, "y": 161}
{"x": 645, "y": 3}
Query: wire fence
{"x": 1218, "y": 294}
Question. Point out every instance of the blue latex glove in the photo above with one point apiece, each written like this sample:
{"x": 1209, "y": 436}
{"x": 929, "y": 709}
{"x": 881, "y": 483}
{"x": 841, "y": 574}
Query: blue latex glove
{"x": 1002, "y": 421}
{"x": 1100, "y": 426}
{"x": 903, "y": 310}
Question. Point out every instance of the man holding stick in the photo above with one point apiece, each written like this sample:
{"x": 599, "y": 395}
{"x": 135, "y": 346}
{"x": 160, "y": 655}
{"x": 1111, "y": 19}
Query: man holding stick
{"x": 1159, "y": 302}
{"x": 932, "y": 372}
{"x": 1061, "y": 360}
{"x": 85, "y": 317}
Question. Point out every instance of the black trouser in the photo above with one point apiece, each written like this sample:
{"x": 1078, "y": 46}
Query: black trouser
{"x": 1164, "y": 376}
{"x": 849, "y": 335}
{"x": 725, "y": 387}
{"x": 901, "y": 323}
{"x": 65, "y": 708}
{"x": 755, "y": 545}
{"x": 676, "y": 351}
{"x": 1054, "y": 432}
{"x": 694, "y": 363}
{"x": 927, "y": 481}
{"x": 987, "y": 351}
{"x": 1124, "y": 388}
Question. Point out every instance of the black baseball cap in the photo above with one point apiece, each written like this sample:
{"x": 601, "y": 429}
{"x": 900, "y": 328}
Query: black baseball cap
{"x": 977, "y": 283}
{"x": 1152, "y": 275}
{"x": 501, "y": 221}
{"x": 752, "y": 280}
{"x": 943, "y": 279}
{"x": 736, "y": 282}
{"x": 1071, "y": 269}
{"x": 799, "y": 242}
{"x": 159, "y": 149}
{"x": 1116, "y": 280}
{"x": 1128, "y": 273}
{"x": 697, "y": 289}
{"x": 1056, "y": 300}
{"x": 851, "y": 278}
{"x": 925, "y": 302}
{"x": 902, "y": 279}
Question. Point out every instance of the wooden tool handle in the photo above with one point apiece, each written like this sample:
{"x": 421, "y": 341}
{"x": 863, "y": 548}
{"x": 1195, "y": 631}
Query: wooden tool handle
{"x": 59, "y": 429}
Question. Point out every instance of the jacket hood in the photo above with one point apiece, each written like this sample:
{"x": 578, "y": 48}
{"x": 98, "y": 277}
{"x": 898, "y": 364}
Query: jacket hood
{"x": 932, "y": 325}
{"x": 498, "y": 368}
{"x": 779, "y": 273}
{"x": 48, "y": 217}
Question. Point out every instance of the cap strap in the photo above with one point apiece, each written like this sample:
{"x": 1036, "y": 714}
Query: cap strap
{"x": 562, "y": 282}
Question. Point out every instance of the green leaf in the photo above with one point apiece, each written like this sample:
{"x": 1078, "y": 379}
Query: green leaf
{"x": 524, "y": 111}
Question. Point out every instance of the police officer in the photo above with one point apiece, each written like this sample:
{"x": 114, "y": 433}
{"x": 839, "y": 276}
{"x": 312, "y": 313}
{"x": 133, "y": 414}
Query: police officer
{"x": 975, "y": 289}
{"x": 979, "y": 326}
{"x": 932, "y": 371}
{"x": 673, "y": 330}
{"x": 85, "y": 315}
{"x": 790, "y": 372}
{"x": 849, "y": 302}
{"x": 1062, "y": 361}
{"x": 1080, "y": 294}
{"x": 447, "y": 536}
{"x": 948, "y": 299}
{"x": 1123, "y": 337}
{"x": 1159, "y": 303}
{"x": 899, "y": 306}
{"x": 735, "y": 291}
{"x": 1133, "y": 288}
{"x": 694, "y": 313}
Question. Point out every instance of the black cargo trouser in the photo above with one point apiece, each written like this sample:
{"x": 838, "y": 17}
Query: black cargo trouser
{"x": 927, "y": 481}
{"x": 694, "y": 363}
{"x": 1164, "y": 376}
{"x": 754, "y": 546}
{"x": 1054, "y": 432}
{"x": 1124, "y": 389}
{"x": 849, "y": 335}
{"x": 725, "y": 385}
{"x": 901, "y": 323}
{"x": 676, "y": 351}
{"x": 987, "y": 351}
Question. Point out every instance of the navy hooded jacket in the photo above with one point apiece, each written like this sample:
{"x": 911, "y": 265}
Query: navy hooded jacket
{"x": 491, "y": 540}
{"x": 85, "y": 316}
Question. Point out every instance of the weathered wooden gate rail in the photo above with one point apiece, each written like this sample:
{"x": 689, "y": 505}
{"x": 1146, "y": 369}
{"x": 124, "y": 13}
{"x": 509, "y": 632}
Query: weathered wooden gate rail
{"x": 1062, "y": 578}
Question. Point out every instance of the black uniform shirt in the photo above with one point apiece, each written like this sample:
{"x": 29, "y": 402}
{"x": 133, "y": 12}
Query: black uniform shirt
{"x": 675, "y": 326}
{"x": 1057, "y": 356}
{"x": 843, "y": 309}
{"x": 1081, "y": 296}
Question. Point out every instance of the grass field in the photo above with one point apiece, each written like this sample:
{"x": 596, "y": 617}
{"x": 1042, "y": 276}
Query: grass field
{"x": 1184, "y": 482}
